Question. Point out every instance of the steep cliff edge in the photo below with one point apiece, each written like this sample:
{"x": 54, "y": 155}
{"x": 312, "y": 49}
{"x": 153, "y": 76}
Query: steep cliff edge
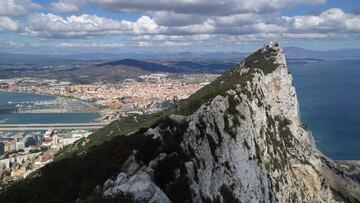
{"x": 239, "y": 139}
{"x": 247, "y": 144}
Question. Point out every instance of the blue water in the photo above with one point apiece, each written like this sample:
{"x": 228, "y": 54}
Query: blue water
{"x": 329, "y": 96}
{"x": 17, "y": 97}
{"x": 45, "y": 118}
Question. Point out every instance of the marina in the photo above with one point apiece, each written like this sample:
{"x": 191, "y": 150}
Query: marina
{"x": 25, "y": 108}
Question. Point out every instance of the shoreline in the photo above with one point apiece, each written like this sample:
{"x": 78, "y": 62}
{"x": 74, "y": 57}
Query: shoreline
{"x": 85, "y": 107}
{"x": 351, "y": 162}
{"x": 91, "y": 107}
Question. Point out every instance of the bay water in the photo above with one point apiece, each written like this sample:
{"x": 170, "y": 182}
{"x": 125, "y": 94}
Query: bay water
{"x": 9, "y": 100}
{"x": 329, "y": 96}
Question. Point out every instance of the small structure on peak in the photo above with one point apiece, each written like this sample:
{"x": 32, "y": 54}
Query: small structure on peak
{"x": 273, "y": 44}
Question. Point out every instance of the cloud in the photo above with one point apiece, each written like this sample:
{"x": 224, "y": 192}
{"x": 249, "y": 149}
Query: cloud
{"x": 183, "y": 23}
{"x": 206, "y": 7}
{"x": 54, "y": 26}
{"x": 145, "y": 25}
{"x": 239, "y": 19}
{"x": 5, "y": 44}
{"x": 331, "y": 21}
{"x": 205, "y": 27}
{"x": 64, "y": 7}
{"x": 169, "y": 18}
{"x": 7, "y": 24}
{"x": 331, "y": 24}
{"x": 89, "y": 45}
{"x": 173, "y": 38}
{"x": 17, "y": 7}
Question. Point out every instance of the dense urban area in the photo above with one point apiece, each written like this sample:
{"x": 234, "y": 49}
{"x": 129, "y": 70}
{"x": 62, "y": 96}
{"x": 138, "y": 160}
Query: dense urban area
{"x": 141, "y": 93}
{"x": 25, "y": 152}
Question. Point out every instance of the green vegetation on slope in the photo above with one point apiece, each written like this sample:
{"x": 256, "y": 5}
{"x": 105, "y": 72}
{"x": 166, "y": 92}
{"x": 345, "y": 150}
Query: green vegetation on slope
{"x": 124, "y": 126}
{"x": 260, "y": 60}
{"x": 218, "y": 87}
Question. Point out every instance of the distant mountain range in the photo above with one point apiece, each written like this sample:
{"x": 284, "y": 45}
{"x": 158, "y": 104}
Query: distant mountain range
{"x": 91, "y": 71}
{"x": 85, "y": 68}
{"x": 296, "y": 52}
{"x": 291, "y": 52}
{"x": 10, "y": 58}
{"x": 173, "y": 66}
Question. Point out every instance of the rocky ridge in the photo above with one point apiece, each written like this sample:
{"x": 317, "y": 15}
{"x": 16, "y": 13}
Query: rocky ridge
{"x": 247, "y": 144}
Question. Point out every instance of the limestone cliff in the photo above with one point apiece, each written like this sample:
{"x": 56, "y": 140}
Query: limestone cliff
{"x": 246, "y": 143}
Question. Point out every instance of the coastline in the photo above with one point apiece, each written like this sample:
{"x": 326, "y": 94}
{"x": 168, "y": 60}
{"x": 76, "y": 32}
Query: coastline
{"x": 349, "y": 167}
{"x": 85, "y": 107}
{"x": 91, "y": 107}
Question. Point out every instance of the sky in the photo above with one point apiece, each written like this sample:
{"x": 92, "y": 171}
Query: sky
{"x": 162, "y": 26}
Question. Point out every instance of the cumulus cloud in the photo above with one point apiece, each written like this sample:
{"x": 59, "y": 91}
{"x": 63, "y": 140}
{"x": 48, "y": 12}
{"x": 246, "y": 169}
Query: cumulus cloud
{"x": 169, "y": 18}
{"x": 330, "y": 24}
{"x": 17, "y": 7}
{"x": 205, "y": 27}
{"x": 54, "y": 26}
{"x": 239, "y": 19}
{"x": 332, "y": 20}
{"x": 64, "y": 7}
{"x": 145, "y": 25}
{"x": 184, "y": 22}
{"x": 7, "y": 24}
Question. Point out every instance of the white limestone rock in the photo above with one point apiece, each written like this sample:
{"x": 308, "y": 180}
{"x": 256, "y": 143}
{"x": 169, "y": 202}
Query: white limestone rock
{"x": 131, "y": 166}
{"x": 159, "y": 197}
{"x": 190, "y": 169}
{"x": 121, "y": 178}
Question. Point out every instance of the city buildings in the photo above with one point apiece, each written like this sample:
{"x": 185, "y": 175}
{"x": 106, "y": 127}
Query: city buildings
{"x": 23, "y": 153}
{"x": 143, "y": 92}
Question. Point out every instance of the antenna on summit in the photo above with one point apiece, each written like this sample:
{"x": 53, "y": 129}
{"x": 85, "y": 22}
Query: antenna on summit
{"x": 273, "y": 44}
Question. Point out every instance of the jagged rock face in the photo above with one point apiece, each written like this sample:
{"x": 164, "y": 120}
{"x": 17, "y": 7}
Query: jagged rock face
{"x": 246, "y": 145}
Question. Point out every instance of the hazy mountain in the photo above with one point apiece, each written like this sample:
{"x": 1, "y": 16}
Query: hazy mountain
{"x": 147, "y": 66}
{"x": 296, "y": 52}
{"x": 293, "y": 52}
{"x": 173, "y": 66}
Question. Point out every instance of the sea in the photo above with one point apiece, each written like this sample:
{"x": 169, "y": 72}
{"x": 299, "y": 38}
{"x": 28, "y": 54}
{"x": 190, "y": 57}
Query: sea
{"x": 329, "y": 96}
{"x": 9, "y": 100}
